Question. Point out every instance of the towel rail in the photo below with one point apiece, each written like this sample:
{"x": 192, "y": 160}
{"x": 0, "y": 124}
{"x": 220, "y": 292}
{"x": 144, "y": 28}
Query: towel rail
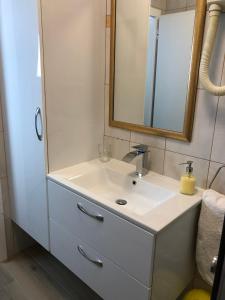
{"x": 214, "y": 177}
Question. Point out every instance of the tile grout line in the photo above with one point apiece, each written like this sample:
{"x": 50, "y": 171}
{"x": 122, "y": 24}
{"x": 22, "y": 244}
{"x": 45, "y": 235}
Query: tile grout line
{"x": 205, "y": 159}
{"x": 164, "y": 149}
{"x": 211, "y": 150}
{"x": 136, "y": 142}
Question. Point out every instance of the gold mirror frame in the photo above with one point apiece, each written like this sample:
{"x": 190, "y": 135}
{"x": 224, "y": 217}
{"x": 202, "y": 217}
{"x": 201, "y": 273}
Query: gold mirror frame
{"x": 192, "y": 85}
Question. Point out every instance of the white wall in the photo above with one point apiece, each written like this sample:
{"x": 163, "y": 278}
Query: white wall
{"x": 74, "y": 60}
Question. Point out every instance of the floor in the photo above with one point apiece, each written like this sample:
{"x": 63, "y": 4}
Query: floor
{"x": 36, "y": 275}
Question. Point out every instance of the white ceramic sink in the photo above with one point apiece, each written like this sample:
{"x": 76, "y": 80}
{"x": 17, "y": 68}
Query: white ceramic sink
{"x": 112, "y": 181}
{"x": 153, "y": 201}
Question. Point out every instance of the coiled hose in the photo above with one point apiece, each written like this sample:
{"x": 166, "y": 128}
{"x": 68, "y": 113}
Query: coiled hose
{"x": 214, "y": 14}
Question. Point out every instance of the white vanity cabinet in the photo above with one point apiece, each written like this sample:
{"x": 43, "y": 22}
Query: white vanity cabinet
{"x": 116, "y": 258}
{"x": 112, "y": 236}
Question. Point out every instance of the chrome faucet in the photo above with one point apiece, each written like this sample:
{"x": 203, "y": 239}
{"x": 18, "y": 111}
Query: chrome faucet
{"x": 141, "y": 164}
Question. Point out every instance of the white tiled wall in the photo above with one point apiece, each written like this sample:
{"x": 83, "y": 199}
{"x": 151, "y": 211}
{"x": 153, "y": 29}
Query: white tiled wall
{"x": 173, "y": 5}
{"x": 161, "y": 4}
{"x": 207, "y": 148}
{"x": 176, "y": 5}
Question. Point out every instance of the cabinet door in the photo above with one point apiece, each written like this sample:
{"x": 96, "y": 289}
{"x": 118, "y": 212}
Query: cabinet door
{"x": 23, "y": 94}
{"x": 106, "y": 278}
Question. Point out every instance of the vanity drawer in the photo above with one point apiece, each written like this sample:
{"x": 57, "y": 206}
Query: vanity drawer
{"x": 122, "y": 242}
{"x": 107, "y": 279}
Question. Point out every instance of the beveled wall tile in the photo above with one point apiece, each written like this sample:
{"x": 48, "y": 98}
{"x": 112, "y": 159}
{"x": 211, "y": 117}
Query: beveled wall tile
{"x": 191, "y": 3}
{"x": 218, "y": 150}
{"x": 157, "y": 157}
{"x": 173, "y": 11}
{"x": 113, "y": 131}
{"x": 205, "y": 114}
{"x": 219, "y": 183}
{"x": 176, "y": 4}
{"x": 174, "y": 170}
{"x": 147, "y": 139}
{"x": 119, "y": 148}
{"x": 159, "y": 4}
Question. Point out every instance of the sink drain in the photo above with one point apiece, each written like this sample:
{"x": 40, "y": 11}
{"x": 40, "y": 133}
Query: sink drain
{"x": 121, "y": 202}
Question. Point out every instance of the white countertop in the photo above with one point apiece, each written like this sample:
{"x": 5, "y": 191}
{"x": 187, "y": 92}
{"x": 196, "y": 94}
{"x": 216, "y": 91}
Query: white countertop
{"x": 156, "y": 219}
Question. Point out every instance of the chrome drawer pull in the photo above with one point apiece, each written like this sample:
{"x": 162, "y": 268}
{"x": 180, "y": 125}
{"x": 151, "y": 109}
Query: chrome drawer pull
{"x": 97, "y": 261}
{"x": 84, "y": 210}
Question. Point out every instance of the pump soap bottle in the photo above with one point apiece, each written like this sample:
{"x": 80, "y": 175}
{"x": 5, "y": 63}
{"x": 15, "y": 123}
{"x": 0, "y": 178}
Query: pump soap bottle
{"x": 188, "y": 181}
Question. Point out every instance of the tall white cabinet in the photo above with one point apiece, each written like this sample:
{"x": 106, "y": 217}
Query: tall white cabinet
{"x": 70, "y": 105}
{"x": 24, "y": 116}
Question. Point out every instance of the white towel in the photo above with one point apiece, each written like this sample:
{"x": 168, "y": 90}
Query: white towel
{"x": 209, "y": 232}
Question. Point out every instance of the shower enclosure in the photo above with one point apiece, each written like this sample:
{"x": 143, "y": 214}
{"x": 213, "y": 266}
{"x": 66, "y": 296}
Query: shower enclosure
{"x": 218, "y": 292}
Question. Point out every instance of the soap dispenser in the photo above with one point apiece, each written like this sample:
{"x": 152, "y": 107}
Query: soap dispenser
{"x": 188, "y": 181}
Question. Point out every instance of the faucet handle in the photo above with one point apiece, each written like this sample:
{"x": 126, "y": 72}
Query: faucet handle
{"x": 141, "y": 148}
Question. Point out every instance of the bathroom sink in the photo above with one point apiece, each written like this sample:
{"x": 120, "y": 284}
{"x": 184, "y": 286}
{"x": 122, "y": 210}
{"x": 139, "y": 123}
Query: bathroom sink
{"x": 115, "y": 183}
{"x": 152, "y": 202}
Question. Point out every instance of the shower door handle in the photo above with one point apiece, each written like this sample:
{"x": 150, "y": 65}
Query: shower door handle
{"x": 38, "y": 116}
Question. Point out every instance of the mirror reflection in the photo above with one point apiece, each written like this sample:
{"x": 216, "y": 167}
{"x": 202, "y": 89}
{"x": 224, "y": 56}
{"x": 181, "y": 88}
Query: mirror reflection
{"x": 153, "y": 51}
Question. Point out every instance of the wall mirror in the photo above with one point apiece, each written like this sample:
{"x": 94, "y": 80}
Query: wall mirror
{"x": 155, "y": 56}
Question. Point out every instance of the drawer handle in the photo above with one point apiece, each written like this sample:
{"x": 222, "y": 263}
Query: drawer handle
{"x": 97, "y": 261}
{"x": 98, "y": 217}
